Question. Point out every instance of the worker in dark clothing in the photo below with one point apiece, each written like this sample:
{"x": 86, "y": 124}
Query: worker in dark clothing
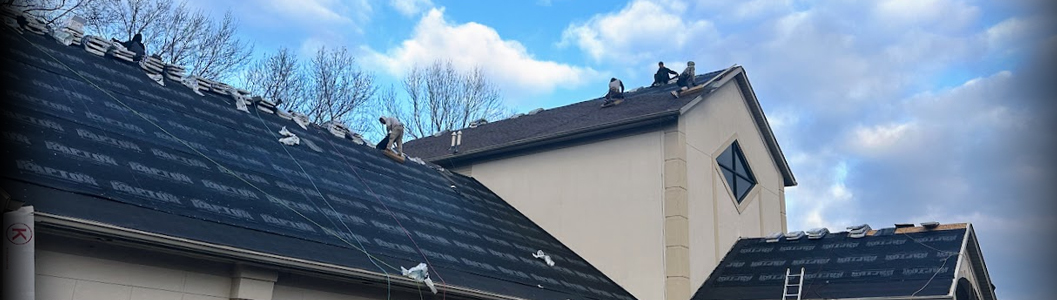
{"x": 686, "y": 79}
{"x": 616, "y": 91}
{"x": 662, "y": 76}
{"x": 136, "y": 46}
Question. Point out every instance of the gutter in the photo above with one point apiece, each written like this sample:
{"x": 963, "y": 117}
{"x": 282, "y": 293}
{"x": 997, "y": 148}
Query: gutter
{"x": 540, "y": 141}
{"x": 213, "y": 250}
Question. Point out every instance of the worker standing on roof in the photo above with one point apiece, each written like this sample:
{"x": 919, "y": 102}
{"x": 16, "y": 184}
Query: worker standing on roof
{"x": 136, "y": 46}
{"x": 616, "y": 91}
{"x": 662, "y": 76}
{"x": 686, "y": 79}
{"x": 395, "y": 136}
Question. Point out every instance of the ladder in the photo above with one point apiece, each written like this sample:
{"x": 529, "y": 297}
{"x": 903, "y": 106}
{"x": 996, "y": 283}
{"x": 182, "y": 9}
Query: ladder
{"x": 793, "y": 281}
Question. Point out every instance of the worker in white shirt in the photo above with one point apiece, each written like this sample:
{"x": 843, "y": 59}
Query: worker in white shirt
{"x": 616, "y": 91}
{"x": 395, "y": 135}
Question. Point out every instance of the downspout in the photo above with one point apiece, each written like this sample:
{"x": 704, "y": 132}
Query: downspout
{"x": 19, "y": 261}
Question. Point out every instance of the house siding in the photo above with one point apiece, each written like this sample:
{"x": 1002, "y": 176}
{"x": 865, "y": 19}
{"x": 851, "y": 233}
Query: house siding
{"x": 716, "y": 219}
{"x": 603, "y": 199}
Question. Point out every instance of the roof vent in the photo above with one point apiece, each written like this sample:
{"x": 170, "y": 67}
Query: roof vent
{"x": 71, "y": 33}
{"x": 904, "y": 225}
{"x": 858, "y": 231}
{"x": 774, "y": 237}
{"x": 817, "y": 233}
{"x": 515, "y": 116}
{"x": 794, "y": 235}
{"x": 931, "y": 225}
{"x": 478, "y": 122}
{"x": 456, "y": 141}
{"x": 535, "y": 111}
{"x": 439, "y": 133}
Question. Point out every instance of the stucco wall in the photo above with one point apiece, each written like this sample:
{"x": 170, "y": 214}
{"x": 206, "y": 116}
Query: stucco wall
{"x": 69, "y": 269}
{"x": 602, "y": 199}
{"x": 75, "y": 269}
{"x": 716, "y": 219}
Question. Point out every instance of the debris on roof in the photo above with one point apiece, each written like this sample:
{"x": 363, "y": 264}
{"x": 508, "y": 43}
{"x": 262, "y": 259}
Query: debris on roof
{"x": 420, "y": 273}
{"x": 546, "y": 258}
{"x": 535, "y": 111}
{"x": 289, "y": 138}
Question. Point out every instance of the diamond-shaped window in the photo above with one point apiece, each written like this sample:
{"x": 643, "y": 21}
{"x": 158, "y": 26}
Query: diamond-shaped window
{"x": 736, "y": 170}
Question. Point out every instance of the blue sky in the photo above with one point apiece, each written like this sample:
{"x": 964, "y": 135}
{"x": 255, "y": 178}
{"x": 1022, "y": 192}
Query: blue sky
{"x": 888, "y": 111}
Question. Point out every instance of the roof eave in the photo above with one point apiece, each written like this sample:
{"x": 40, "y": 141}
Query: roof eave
{"x": 558, "y": 138}
{"x": 183, "y": 245}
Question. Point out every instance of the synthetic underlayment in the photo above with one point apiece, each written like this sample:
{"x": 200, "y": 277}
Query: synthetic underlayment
{"x": 885, "y": 264}
{"x": 83, "y": 145}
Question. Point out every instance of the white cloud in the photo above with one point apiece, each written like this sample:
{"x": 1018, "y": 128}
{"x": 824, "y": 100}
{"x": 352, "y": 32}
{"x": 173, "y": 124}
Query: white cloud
{"x": 467, "y": 45}
{"x": 941, "y": 14}
{"x": 641, "y": 31}
{"x": 880, "y": 138}
{"x": 410, "y": 8}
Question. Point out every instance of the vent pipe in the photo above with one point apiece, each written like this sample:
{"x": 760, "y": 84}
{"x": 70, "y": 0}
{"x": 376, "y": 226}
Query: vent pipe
{"x": 19, "y": 248}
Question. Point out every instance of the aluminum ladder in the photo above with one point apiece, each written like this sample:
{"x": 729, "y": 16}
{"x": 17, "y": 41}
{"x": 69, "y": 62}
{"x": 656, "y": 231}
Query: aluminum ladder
{"x": 790, "y": 278}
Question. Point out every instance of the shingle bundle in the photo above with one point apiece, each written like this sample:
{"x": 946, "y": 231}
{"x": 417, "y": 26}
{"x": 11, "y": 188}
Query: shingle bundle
{"x": 175, "y": 72}
{"x": 95, "y": 45}
{"x": 267, "y": 106}
{"x": 153, "y": 65}
{"x": 338, "y": 129}
{"x": 35, "y": 24}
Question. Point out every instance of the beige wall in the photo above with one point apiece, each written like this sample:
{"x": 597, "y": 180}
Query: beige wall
{"x": 603, "y": 200}
{"x": 75, "y": 269}
{"x": 716, "y": 219}
{"x": 647, "y": 209}
{"x": 70, "y": 269}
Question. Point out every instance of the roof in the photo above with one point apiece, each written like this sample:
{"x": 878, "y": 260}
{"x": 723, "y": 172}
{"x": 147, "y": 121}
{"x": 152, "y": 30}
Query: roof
{"x": 108, "y": 146}
{"x": 892, "y": 262}
{"x": 647, "y": 107}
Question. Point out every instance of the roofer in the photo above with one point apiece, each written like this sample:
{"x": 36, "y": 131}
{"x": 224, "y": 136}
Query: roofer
{"x": 616, "y": 91}
{"x": 662, "y": 76}
{"x": 395, "y": 135}
{"x": 136, "y": 46}
{"x": 686, "y": 79}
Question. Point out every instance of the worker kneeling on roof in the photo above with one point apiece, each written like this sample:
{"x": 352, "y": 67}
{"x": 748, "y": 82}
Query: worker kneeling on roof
{"x": 616, "y": 90}
{"x": 395, "y": 135}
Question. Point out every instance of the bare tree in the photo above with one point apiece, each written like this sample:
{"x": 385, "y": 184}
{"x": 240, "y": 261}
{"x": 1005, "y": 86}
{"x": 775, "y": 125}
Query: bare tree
{"x": 339, "y": 90}
{"x": 50, "y": 11}
{"x": 443, "y": 98}
{"x": 123, "y": 19}
{"x": 219, "y": 52}
{"x": 174, "y": 31}
{"x": 278, "y": 76}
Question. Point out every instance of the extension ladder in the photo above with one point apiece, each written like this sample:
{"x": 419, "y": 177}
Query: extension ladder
{"x": 790, "y": 278}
